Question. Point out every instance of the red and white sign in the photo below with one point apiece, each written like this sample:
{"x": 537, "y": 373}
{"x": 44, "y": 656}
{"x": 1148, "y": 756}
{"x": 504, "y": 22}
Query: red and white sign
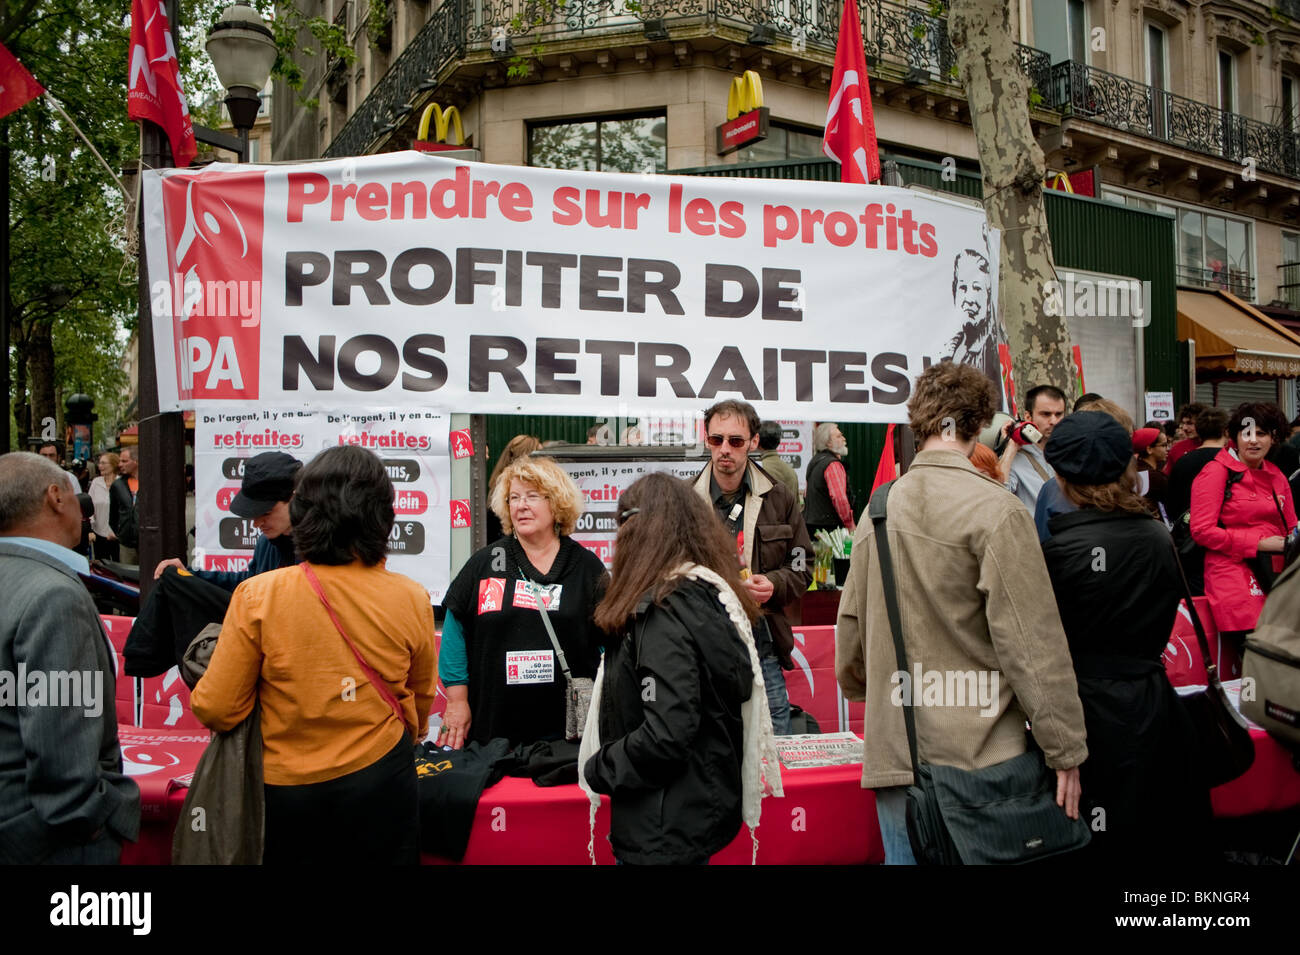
{"x": 212, "y": 237}
{"x": 528, "y": 667}
{"x": 743, "y": 130}
{"x": 462, "y": 445}
{"x": 153, "y": 79}
{"x": 460, "y": 514}
{"x": 409, "y": 279}
{"x": 412, "y": 443}
{"x": 491, "y": 594}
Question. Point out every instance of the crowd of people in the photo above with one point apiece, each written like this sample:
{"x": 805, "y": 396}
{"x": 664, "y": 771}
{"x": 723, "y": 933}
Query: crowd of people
{"x": 1039, "y": 551}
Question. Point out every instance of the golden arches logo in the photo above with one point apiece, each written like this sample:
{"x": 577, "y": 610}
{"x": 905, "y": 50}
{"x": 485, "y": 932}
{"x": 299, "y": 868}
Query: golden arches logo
{"x": 745, "y": 95}
{"x": 1060, "y": 182}
{"x": 443, "y": 121}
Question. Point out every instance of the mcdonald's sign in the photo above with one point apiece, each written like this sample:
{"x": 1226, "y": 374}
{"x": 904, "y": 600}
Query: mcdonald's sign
{"x": 746, "y": 115}
{"x": 444, "y": 122}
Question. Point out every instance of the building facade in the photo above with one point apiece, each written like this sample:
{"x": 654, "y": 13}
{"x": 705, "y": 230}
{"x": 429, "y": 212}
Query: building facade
{"x": 1189, "y": 108}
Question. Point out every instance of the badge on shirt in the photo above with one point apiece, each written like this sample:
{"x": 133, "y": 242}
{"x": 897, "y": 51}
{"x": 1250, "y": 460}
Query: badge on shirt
{"x": 491, "y": 594}
{"x": 528, "y": 593}
{"x": 529, "y": 666}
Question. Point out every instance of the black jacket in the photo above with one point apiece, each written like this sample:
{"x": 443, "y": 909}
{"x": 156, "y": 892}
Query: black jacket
{"x": 1115, "y": 578}
{"x": 671, "y": 729}
{"x": 122, "y": 514}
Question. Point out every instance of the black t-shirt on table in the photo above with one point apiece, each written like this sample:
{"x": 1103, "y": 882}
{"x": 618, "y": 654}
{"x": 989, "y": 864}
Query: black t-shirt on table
{"x": 516, "y": 686}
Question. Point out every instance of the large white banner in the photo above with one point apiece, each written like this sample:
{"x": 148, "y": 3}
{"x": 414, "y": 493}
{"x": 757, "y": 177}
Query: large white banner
{"x": 407, "y": 278}
{"x": 411, "y": 441}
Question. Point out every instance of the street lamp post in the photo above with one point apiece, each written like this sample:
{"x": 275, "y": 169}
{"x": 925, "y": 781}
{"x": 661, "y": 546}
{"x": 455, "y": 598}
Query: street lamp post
{"x": 243, "y": 51}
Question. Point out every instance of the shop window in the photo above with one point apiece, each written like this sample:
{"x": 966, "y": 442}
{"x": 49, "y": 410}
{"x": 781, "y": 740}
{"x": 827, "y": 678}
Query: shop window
{"x": 785, "y": 142}
{"x": 636, "y": 144}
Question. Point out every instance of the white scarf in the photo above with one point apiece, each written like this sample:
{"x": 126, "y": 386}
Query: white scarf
{"x": 759, "y": 740}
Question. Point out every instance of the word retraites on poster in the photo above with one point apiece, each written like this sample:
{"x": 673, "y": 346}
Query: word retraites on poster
{"x": 602, "y": 484}
{"x": 412, "y": 442}
{"x": 406, "y": 277}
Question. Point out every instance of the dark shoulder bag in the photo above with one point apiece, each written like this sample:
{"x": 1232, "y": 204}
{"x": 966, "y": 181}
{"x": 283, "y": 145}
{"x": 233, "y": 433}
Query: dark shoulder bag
{"x": 1003, "y": 814}
{"x": 1227, "y": 750}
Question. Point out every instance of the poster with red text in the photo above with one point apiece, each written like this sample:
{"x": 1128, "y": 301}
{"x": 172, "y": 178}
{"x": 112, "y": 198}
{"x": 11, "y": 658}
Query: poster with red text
{"x": 412, "y": 442}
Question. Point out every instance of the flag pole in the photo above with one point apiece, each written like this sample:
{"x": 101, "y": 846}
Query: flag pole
{"x": 161, "y": 501}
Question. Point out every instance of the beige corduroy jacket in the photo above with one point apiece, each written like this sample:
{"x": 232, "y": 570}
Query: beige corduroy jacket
{"x": 975, "y": 600}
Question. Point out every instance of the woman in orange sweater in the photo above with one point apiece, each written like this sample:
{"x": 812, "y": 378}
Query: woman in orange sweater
{"x": 339, "y": 770}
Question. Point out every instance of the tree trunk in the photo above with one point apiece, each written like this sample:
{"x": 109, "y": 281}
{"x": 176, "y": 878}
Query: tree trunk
{"x": 1013, "y": 167}
{"x": 40, "y": 359}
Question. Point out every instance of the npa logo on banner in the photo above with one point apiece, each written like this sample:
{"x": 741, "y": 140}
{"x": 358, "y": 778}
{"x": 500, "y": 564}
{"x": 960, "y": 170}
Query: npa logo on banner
{"x": 460, "y": 514}
{"x": 462, "y": 446}
{"x": 214, "y": 291}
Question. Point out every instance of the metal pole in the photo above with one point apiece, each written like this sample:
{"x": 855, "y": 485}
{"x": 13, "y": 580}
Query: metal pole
{"x": 161, "y": 500}
{"x": 7, "y": 390}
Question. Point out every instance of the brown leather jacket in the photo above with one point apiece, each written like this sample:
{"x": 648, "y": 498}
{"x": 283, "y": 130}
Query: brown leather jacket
{"x": 777, "y": 546}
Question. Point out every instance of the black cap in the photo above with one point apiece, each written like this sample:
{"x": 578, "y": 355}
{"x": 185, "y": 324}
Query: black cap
{"x": 1089, "y": 447}
{"x": 268, "y": 479}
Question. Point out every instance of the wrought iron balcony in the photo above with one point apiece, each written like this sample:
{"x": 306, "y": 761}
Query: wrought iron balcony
{"x": 906, "y": 36}
{"x": 1237, "y": 281}
{"x": 1124, "y": 104}
{"x": 1289, "y": 288}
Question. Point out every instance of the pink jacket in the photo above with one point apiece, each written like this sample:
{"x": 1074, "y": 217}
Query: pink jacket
{"x": 1250, "y": 515}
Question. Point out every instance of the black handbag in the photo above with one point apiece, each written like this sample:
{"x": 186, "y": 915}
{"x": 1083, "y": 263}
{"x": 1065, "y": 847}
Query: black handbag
{"x": 1002, "y": 814}
{"x": 1227, "y": 750}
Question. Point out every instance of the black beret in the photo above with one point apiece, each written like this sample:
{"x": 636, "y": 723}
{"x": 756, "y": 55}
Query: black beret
{"x": 1089, "y": 447}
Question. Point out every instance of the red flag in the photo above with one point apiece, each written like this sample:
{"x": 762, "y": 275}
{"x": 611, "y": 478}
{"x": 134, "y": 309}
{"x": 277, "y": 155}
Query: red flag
{"x": 886, "y": 470}
{"x": 17, "y": 86}
{"x": 850, "y": 136}
{"x": 154, "y": 82}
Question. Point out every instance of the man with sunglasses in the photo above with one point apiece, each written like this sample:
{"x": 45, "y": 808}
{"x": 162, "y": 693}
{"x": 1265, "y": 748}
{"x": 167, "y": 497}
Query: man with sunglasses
{"x": 775, "y": 550}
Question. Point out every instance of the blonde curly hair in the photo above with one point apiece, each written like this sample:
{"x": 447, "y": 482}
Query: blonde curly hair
{"x": 551, "y": 481}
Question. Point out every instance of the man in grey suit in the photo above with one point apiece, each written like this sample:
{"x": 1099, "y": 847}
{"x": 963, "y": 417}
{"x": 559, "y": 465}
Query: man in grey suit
{"x": 63, "y": 796}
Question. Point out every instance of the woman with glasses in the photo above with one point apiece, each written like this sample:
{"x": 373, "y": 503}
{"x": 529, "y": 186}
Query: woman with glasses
{"x": 1151, "y": 448}
{"x": 498, "y": 663}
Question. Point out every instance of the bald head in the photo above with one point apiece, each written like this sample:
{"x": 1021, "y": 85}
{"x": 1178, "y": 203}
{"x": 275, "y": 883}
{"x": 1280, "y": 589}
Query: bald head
{"x": 38, "y": 499}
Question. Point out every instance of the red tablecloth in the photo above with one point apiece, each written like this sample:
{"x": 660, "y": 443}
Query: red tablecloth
{"x": 824, "y": 818}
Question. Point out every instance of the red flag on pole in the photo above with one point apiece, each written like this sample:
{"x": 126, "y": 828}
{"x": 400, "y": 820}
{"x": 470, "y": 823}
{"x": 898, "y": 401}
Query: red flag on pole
{"x": 850, "y": 136}
{"x": 17, "y": 86}
{"x": 154, "y": 82}
{"x": 886, "y": 470}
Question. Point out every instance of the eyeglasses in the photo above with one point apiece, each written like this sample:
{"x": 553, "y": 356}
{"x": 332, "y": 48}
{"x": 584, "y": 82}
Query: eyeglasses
{"x": 715, "y": 441}
{"x": 532, "y": 499}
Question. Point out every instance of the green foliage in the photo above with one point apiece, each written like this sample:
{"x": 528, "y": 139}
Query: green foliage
{"x": 66, "y": 228}
{"x": 67, "y": 215}
{"x": 379, "y": 23}
{"x": 296, "y": 35}
{"x": 1035, "y": 98}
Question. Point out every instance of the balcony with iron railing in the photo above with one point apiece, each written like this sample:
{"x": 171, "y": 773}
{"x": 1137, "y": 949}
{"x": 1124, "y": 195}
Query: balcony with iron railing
{"x": 1288, "y": 290}
{"x": 908, "y": 42}
{"x": 1237, "y": 281}
{"x": 1120, "y": 103}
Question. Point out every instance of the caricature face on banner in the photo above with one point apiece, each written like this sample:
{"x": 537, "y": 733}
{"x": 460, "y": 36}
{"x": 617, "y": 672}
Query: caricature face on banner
{"x": 413, "y": 444}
